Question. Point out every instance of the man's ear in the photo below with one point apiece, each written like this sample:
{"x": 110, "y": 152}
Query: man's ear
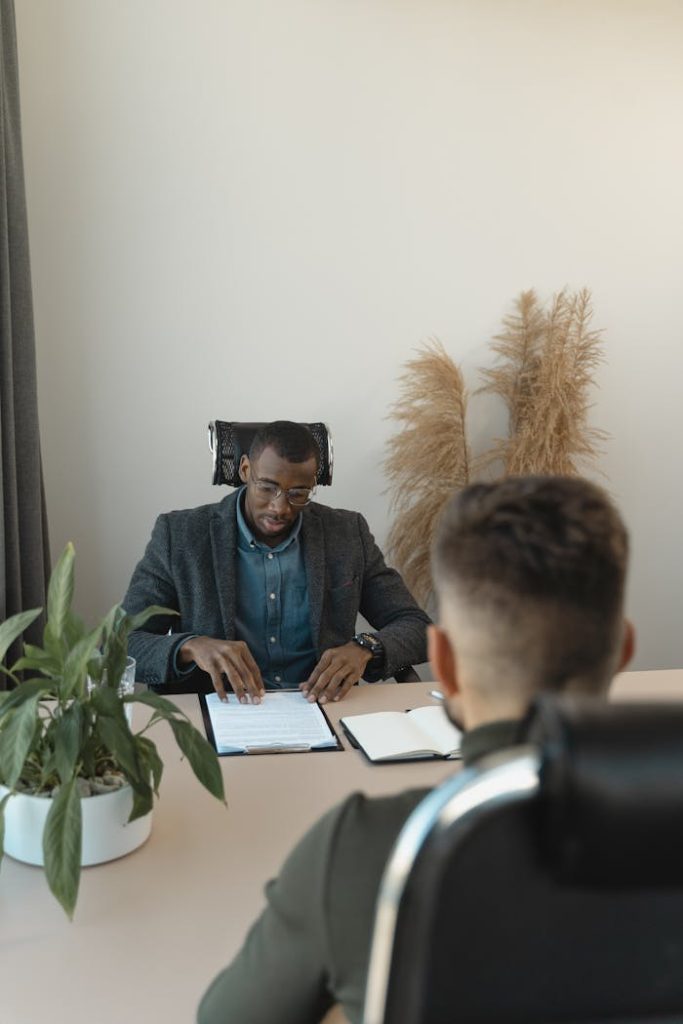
{"x": 628, "y": 645}
{"x": 243, "y": 467}
{"x": 442, "y": 658}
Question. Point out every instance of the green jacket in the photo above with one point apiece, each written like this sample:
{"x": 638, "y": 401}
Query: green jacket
{"x": 311, "y": 945}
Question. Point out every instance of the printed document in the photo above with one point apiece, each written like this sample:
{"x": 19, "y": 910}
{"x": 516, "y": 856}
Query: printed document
{"x": 283, "y": 721}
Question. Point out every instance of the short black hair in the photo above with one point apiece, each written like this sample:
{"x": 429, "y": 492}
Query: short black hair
{"x": 551, "y": 547}
{"x": 291, "y": 441}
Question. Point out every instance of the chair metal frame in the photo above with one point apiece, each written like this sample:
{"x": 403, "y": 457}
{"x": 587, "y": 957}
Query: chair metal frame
{"x": 502, "y": 779}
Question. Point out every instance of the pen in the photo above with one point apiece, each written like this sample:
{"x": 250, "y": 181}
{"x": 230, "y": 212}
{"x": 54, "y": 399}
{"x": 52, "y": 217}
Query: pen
{"x": 437, "y": 695}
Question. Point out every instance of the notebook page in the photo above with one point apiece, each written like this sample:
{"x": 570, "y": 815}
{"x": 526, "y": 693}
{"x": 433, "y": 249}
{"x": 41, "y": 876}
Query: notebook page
{"x": 434, "y": 721}
{"x": 282, "y": 719}
{"x": 385, "y": 734}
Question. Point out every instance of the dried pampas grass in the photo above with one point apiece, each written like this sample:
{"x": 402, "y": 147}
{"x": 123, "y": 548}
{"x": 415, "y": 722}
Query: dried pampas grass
{"x": 427, "y": 459}
{"x": 548, "y": 363}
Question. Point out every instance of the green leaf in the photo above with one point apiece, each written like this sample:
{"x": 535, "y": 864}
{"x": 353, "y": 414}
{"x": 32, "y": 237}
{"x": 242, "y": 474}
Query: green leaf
{"x": 96, "y": 668}
{"x": 66, "y": 736}
{"x": 120, "y": 742}
{"x": 74, "y": 629}
{"x": 112, "y": 728}
{"x": 115, "y": 645}
{"x": 150, "y": 758}
{"x": 53, "y": 645}
{"x": 14, "y": 626}
{"x": 3, "y": 804}
{"x": 136, "y": 621}
{"x": 60, "y": 591}
{"x": 62, "y": 846}
{"x": 76, "y": 663}
{"x": 115, "y": 654}
{"x": 165, "y": 708}
{"x": 25, "y": 691}
{"x": 107, "y": 703}
{"x": 108, "y": 623}
{"x": 36, "y": 659}
{"x": 201, "y": 755}
{"x": 15, "y": 741}
{"x": 142, "y": 805}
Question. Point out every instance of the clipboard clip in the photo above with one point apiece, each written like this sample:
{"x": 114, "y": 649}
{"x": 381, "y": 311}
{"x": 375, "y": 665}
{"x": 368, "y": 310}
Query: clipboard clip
{"x": 277, "y": 748}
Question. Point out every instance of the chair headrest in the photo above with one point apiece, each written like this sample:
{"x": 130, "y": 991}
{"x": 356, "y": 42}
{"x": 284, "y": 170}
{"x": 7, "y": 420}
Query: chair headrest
{"x": 229, "y": 441}
{"x": 611, "y": 790}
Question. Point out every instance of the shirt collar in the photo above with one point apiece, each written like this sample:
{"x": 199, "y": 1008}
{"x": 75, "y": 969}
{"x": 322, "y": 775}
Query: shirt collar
{"x": 488, "y": 738}
{"x": 247, "y": 537}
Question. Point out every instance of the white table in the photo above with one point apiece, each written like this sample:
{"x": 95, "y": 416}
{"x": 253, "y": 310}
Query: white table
{"x": 152, "y": 929}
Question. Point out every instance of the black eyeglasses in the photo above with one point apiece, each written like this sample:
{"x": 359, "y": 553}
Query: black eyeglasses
{"x": 296, "y": 496}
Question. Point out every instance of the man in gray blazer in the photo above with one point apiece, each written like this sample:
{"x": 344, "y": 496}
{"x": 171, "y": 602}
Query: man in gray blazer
{"x": 267, "y": 586}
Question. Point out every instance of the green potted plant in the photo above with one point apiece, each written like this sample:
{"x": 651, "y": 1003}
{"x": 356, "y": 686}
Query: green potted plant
{"x": 70, "y": 765}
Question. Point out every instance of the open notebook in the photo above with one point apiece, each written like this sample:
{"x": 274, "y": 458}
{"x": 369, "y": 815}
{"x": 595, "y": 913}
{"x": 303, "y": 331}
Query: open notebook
{"x": 404, "y": 735}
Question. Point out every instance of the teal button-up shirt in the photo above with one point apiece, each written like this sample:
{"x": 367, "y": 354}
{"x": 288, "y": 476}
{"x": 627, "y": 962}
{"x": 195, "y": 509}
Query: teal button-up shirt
{"x": 272, "y": 613}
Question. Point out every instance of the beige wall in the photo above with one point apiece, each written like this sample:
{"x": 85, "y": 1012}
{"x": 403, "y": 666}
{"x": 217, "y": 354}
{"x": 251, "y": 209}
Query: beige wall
{"x": 257, "y": 209}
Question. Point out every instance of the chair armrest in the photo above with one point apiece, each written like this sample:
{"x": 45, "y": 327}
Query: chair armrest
{"x": 407, "y": 674}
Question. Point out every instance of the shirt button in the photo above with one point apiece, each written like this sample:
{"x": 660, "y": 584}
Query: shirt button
{"x": 272, "y": 639}
{"x": 270, "y": 556}
{"x": 278, "y": 679}
{"x": 272, "y": 597}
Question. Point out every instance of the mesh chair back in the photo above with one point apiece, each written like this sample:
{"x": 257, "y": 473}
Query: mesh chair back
{"x": 489, "y": 926}
{"x": 229, "y": 441}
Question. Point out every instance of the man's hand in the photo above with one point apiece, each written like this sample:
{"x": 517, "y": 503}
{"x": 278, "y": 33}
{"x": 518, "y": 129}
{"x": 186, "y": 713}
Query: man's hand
{"x": 231, "y": 658}
{"x": 336, "y": 672}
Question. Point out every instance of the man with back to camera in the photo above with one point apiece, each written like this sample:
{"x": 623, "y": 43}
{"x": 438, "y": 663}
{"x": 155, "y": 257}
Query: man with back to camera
{"x": 530, "y": 578}
{"x": 268, "y": 585}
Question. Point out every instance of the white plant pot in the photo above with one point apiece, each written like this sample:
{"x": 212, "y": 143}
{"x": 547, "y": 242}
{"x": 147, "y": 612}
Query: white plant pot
{"x": 107, "y": 834}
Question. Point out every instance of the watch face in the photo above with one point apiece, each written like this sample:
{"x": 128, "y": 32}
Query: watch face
{"x": 369, "y": 641}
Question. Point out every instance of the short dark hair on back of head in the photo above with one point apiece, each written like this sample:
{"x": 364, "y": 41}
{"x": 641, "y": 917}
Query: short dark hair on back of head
{"x": 552, "y": 548}
{"x": 292, "y": 441}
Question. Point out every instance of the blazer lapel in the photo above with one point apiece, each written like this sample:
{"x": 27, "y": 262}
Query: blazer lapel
{"x": 223, "y": 528}
{"x": 314, "y": 560}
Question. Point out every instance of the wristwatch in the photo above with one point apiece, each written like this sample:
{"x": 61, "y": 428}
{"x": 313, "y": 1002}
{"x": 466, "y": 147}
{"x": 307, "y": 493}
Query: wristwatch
{"x": 371, "y": 642}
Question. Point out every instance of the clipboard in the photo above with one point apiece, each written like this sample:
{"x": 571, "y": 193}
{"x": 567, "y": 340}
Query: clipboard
{"x": 271, "y": 747}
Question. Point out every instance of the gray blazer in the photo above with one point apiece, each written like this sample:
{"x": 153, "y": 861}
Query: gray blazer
{"x": 189, "y": 565}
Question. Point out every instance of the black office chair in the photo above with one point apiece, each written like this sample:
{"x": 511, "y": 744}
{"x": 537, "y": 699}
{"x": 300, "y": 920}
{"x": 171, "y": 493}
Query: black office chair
{"x": 545, "y": 884}
{"x": 229, "y": 441}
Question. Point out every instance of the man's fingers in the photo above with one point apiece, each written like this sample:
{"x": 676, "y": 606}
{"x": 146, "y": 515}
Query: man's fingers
{"x": 350, "y": 681}
{"x": 254, "y": 673}
{"x": 316, "y": 673}
{"x": 239, "y": 664}
{"x": 217, "y": 680}
{"x": 242, "y": 669}
{"x": 236, "y": 663}
{"x": 237, "y": 683}
{"x": 329, "y": 680}
{"x": 322, "y": 679}
{"x": 336, "y": 672}
{"x": 340, "y": 682}
{"x": 231, "y": 658}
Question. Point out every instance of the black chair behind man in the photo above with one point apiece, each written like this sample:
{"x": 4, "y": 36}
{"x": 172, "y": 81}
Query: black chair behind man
{"x": 230, "y": 440}
{"x": 545, "y": 884}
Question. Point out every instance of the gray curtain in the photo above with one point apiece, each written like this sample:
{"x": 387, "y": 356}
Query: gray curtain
{"x": 24, "y": 551}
